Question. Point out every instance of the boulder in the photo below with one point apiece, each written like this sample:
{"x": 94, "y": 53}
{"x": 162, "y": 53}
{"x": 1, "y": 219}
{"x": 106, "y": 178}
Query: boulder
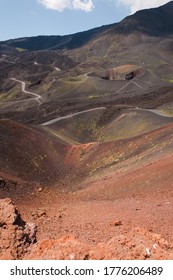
{"x": 15, "y": 234}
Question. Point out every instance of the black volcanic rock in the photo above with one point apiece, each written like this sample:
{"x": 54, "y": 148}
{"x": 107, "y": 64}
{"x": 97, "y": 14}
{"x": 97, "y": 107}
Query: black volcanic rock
{"x": 152, "y": 22}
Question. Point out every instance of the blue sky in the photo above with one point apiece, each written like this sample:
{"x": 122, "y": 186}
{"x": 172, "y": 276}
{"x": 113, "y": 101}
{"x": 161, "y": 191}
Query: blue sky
{"x": 22, "y": 18}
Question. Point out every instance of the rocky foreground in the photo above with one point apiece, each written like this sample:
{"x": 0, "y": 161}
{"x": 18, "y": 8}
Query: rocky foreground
{"x": 19, "y": 241}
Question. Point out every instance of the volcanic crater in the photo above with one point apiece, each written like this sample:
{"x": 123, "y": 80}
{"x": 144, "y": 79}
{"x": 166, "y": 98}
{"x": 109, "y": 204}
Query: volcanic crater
{"x": 86, "y": 142}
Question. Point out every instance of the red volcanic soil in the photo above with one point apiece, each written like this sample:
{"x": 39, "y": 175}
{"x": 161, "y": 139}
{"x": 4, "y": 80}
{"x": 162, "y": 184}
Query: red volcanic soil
{"x": 113, "y": 218}
{"x": 119, "y": 210}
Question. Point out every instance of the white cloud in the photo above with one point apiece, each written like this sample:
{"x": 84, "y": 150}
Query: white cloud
{"x": 60, "y": 5}
{"x": 136, "y": 5}
{"x": 86, "y": 6}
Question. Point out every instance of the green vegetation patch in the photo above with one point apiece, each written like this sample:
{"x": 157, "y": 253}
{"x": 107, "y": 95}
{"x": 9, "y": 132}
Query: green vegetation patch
{"x": 166, "y": 111}
{"x": 5, "y": 97}
{"x": 20, "y": 50}
{"x": 169, "y": 81}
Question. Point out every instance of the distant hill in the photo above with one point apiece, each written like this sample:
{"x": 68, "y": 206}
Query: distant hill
{"x": 152, "y": 22}
{"x": 55, "y": 42}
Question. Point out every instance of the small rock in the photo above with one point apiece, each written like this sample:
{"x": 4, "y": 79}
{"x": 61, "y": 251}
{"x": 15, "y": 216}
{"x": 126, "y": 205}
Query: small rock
{"x": 39, "y": 213}
{"x": 148, "y": 254}
{"x": 155, "y": 246}
{"x": 30, "y": 232}
{"x": 13, "y": 242}
{"x": 116, "y": 223}
{"x": 72, "y": 256}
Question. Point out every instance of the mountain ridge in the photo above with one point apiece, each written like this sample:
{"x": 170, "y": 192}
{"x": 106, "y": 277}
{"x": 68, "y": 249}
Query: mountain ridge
{"x": 161, "y": 24}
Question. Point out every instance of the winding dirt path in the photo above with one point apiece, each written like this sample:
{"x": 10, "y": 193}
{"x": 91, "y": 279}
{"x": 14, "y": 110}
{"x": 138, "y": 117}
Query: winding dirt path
{"x": 155, "y": 111}
{"x": 71, "y": 115}
{"x": 37, "y": 97}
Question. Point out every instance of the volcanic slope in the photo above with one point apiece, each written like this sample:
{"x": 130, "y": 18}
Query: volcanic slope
{"x": 28, "y": 153}
{"x": 88, "y": 154}
{"x": 133, "y": 174}
{"x": 143, "y": 39}
{"x": 94, "y": 126}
